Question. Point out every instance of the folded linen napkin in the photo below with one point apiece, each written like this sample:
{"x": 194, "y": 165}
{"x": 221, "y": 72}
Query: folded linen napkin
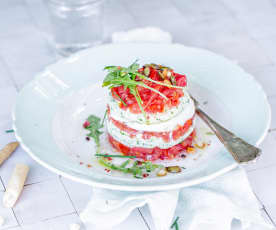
{"x": 224, "y": 203}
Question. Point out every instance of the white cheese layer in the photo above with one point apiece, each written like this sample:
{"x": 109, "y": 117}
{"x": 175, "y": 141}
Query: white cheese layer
{"x": 159, "y": 122}
{"x": 138, "y": 141}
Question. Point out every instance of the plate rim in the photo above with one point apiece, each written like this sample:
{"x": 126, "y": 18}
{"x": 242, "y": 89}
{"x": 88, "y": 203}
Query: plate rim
{"x": 141, "y": 187}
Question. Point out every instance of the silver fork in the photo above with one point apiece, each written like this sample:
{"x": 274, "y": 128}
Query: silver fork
{"x": 241, "y": 151}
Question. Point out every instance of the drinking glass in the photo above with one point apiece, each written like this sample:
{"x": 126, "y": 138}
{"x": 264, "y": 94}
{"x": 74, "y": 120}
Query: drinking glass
{"x": 76, "y": 24}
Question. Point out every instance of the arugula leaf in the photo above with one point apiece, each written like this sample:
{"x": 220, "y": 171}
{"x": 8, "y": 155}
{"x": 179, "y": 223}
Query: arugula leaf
{"x": 108, "y": 155}
{"x": 94, "y": 128}
{"x": 175, "y": 224}
{"x": 137, "y": 169}
{"x": 126, "y": 76}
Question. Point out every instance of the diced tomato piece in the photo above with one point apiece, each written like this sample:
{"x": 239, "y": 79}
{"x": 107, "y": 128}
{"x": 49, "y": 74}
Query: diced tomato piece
{"x": 152, "y": 102}
{"x": 180, "y": 79}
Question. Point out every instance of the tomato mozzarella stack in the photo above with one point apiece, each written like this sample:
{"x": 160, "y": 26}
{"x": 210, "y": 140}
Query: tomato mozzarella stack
{"x": 165, "y": 126}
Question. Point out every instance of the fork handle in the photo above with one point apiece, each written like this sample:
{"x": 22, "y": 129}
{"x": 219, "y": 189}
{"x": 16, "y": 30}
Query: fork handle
{"x": 241, "y": 151}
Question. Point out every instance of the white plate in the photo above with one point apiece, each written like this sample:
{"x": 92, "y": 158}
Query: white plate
{"x": 50, "y": 110}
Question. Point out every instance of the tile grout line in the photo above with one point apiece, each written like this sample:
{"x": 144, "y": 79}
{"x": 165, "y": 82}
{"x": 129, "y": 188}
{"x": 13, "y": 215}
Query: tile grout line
{"x": 15, "y": 217}
{"x": 264, "y": 167}
{"x": 55, "y": 217}
{"x": 1, "y": 181}
{"x": 258, "y": 199}
{"x": 266, "y": 212}
{"x": 142, "y": 216}
{"x": 37, "y": 182}
{"x": 64, "y": 187}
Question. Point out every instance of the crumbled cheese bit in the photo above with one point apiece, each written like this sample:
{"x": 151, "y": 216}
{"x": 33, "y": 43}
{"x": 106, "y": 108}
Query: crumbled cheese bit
{"x": 74, "y": 226}
{"x": 2, "y": 220}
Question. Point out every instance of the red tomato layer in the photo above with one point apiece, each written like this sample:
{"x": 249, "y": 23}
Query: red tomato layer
{"x": 152, "y": 102}
{"x": 152, "y": 154}
{"x": 176, "y": 133}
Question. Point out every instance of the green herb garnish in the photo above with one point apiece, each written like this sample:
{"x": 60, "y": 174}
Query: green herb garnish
{"x": 94, "y": 128}
{"x": 105, "y": 113}
{"x": 175, "y": 224}
{"x": 124, "y": 164}
{"x": 120, "y": 156}
{"x": 120, "y": 99}
{"x": 9, "y": 131}
{"x": 136, "y": 169}
{"x": 127, "y": 77}
{"x": 209, "y": 133}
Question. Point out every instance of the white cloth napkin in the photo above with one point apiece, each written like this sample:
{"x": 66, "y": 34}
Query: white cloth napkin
{"x": 224, "y": 203}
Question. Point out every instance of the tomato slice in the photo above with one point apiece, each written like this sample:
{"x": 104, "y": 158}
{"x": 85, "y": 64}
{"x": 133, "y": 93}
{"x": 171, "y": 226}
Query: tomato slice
{"x": 153, "y": 154}
{"x": 177, "y": 133}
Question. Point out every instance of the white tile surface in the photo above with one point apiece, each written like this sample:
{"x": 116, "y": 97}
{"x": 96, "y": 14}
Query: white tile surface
{"x": 264, "y": 185}
{"x": 266, "y": 77}
{"x": 272, "y": 101}
{"x": 42, "y": 201}
{"x": 271, "y": 209}
{"x": 240, "y": 30}
{"x": 40, "y": 15}
{"x": 14, "y": 54}
{"x": 258, "y": 17}
{"x": 6, "y": 106}
{"x": 16, "y": 18}
{"x": 120, "y": 21}
{"x": 266, "y": 217}
{"x": 58, "y": 223}
{"x": 37, "y": 172}
{"x": 7, "y": 214}
{"x": 6, "y": 80}
{"x": 268, "y": 154}
{"x": 79, "y": 193}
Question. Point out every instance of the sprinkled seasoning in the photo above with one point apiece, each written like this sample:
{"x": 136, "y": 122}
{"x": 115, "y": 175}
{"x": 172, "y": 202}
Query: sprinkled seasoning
{"x": 145, "y": 175}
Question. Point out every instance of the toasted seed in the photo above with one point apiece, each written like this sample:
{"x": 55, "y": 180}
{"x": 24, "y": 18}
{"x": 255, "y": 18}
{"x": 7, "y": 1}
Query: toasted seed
{"x": 173, "y": 169}
{"x": 190, "y": 150}
{"x": 169, "y": 74}
{"x": 162, "y": 172}
{"x": 165, "y": 71}
{"x": 161, "y": 75}
{"x": 147, "y": 71}
{"x": 167, "y": 82}
{"x": 201, "y": 146}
